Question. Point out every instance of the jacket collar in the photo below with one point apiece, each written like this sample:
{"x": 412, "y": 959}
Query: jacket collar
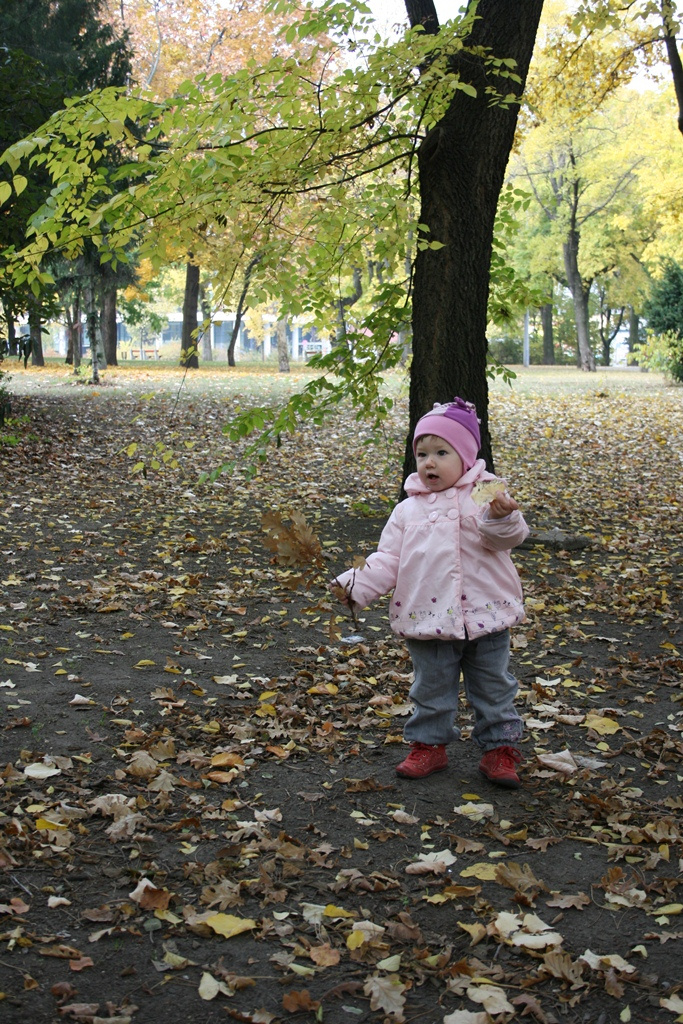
{"x": 414, "y": 486}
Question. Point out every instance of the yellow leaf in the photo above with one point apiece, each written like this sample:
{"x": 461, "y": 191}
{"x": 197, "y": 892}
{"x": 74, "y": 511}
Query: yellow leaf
{"x": 209, "y": 987}
{"x": 301, "y": 970}
{"x": 52, "y": 826}
{"x": 168, "y": 915}
{"x": 603, "y": 726}
{"x": 390, "y": 963}
{"x": 145, "y": 663}
{"x": 355, "y": 940}
{"x": 332, "y": 911}
{"x": 477, "y": 931}
{"x": 483, "y": 871}
{"x": 671, "y": 909}
{"x": 266, "y": 710}
{"x": 228, "y": 925}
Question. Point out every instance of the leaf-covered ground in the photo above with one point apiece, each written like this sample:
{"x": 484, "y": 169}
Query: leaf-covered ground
{"x": 199, "y": 815}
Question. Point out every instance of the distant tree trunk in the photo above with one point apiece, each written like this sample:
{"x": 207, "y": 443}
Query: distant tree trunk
{"x": 282, "y": 353}
{"x": 461, "y": 164}
{"x": 11, "y": 331}
{"x": 580, "y": 291}
{"x": 207, "y": 350}
{"x": 548, "y": 339}
{"x": 633, "y": 334}
{"x": 77, "y": 336}
{"x": 35, "y": 330}
{"x": 108, "y": 320}
{"x": 188, "y": 342}
{"x": 241, "y": 307}
{"x": 345, "y": 303}
{"x": 92, "y": 317}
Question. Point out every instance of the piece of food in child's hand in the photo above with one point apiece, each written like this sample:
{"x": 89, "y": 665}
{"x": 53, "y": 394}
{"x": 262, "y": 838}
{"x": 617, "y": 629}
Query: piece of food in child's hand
{"x": 486, "y": 490}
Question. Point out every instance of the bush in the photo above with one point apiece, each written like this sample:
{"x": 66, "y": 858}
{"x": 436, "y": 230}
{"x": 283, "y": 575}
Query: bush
{"x": 662, "y": 352}
{"x": 663, "y": 349}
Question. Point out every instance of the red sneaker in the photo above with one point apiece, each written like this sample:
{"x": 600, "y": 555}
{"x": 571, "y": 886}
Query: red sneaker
{"x": 423, "y": 760}
{"x": 500, "y": 765}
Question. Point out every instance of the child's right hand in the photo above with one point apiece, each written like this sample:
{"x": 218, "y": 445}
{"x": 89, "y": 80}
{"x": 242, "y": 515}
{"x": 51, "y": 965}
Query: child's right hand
{"x": 502, "y": 505}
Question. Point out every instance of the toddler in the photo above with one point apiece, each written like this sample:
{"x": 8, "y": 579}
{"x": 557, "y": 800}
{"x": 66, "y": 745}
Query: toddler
{"x": 455, "y": 595}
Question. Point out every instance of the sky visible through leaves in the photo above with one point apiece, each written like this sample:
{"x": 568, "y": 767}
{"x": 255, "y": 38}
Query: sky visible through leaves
{"x": 200, "y": 817}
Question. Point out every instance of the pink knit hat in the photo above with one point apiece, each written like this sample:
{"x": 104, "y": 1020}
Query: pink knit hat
{"x": 457, "y": 423}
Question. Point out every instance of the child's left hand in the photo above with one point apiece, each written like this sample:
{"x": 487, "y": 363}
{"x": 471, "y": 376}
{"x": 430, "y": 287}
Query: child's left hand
{"x": 501, "y": 505}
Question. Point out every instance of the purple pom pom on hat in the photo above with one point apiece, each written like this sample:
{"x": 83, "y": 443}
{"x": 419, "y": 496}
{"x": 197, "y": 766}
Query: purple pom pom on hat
{"x": 457, "y": 423}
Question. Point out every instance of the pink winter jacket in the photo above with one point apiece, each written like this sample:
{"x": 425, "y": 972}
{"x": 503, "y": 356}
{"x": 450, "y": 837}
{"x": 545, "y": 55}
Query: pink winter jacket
{"x": 447, "y": 564}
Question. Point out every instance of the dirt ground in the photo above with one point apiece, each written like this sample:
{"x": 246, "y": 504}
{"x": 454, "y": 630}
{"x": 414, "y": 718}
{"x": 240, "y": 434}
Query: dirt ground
{"x": 199, "y": 814}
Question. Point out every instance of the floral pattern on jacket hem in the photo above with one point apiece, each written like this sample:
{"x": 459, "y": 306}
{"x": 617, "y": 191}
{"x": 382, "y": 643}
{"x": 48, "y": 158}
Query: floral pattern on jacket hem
{"x": 448, "y": 564}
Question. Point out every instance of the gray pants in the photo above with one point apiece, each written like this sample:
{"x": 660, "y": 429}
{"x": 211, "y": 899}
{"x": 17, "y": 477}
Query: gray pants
{"x": 490, "y": 689}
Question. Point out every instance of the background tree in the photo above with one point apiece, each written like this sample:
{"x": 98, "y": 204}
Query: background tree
{"x": 51, "y": 51}
{"x": 271, "y": 153}
{"x": 462, "y": 162}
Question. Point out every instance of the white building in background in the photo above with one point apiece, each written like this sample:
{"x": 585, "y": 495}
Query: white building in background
{"x": 134, "y": 343}
{"x": 302, "y": 339}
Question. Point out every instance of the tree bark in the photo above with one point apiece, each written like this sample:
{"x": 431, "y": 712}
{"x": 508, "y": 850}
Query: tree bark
{"x": 548, "y": 340}
{"x": 189, "y": 356}
{"x": 282, "y": 353}
{"x": 462, "y": 163}
{"x": 108, "y": 322}
{"x": 580, "y": 290}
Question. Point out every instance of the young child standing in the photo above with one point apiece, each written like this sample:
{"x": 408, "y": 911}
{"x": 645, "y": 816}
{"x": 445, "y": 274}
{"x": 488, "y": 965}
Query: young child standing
{"x": 444, "y": 553}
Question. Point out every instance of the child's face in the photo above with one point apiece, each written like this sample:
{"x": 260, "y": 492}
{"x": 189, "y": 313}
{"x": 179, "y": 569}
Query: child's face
{"x": 438, "y": 464}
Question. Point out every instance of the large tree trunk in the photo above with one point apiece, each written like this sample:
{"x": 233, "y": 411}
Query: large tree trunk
{"x": 35, "y": 330}
{"x": 580, "y": 291}
{"x": 109, "y": 331}
{"x": 188, "y": 343}
{"x": 548, "y": 339}
{"x": 462, "y": 165}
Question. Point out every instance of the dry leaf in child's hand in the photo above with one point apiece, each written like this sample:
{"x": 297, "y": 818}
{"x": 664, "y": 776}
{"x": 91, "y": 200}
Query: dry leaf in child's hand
{"x": 486, "y": 490}
{"x": 339, "y": 592}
